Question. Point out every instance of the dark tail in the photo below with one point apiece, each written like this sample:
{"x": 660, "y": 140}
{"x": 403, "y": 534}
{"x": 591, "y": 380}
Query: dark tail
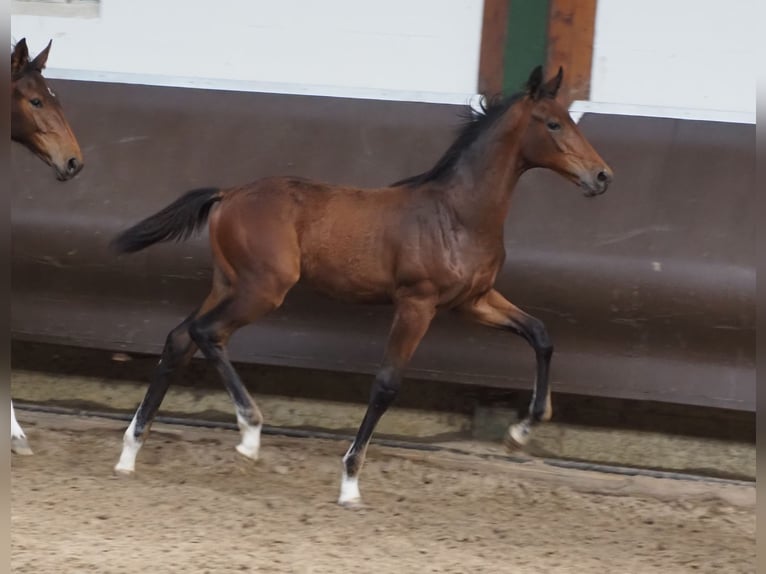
{"x": 176, "y": 222}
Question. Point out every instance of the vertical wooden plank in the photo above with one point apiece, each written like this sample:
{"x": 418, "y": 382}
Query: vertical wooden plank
{"x": 571, "y": 27}
{"x": 493, "y": 37}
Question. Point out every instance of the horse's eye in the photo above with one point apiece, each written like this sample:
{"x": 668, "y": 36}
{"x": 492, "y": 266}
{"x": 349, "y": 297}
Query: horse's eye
{"x": 36, "y": 102}
{"x": 554, "y": 126}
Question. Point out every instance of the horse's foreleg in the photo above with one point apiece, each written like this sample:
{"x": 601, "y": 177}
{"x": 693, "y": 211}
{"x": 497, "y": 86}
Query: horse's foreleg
{"x": 412, "y": 317}
{"x": 19, "y": 443}
{"x": 178, "y": 350}
{"x": 496, "y": 311}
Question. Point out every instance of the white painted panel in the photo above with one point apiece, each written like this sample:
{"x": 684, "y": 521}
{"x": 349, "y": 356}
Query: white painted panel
{"x": 421, "y": 49}
{"x": 696, "y": 54}
{"x": 678, "y": 58}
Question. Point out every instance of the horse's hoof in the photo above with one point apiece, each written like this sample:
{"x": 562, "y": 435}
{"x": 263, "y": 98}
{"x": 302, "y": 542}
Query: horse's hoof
{"x": 516, "y": 438}
{"x": 123, "y": 472}
{"x": 351, "y": 503}
{"x": 246, "y": 452}
{"x": 19, "y": 445}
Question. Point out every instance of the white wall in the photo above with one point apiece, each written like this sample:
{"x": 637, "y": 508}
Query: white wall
{"x": 425, "y": 50}
{"x": 680, "y": 58}
{"x": 689, "y": 54}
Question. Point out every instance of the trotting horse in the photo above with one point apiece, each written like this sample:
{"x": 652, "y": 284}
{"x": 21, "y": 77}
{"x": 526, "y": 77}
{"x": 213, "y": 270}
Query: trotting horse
{"x": 38, "y": 123}
{"x": 427, "y": 243}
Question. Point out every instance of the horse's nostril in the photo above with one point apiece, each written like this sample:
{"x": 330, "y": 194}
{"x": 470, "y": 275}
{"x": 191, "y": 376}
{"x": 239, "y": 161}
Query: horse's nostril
{"x": 602, "y": 177}
{"x": 72, "y": 165}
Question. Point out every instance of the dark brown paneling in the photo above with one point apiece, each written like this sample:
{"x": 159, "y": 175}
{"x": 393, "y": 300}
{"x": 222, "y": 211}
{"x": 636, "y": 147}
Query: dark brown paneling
{"x": 493, "y": 36}
{"x": 648, "y": 291}
{"x": 570, "y": 44}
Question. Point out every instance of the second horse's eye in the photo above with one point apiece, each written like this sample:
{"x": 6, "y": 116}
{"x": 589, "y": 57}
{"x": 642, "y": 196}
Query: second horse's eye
{"x": 554, "y": 126}
{"x": 36, "y": 102}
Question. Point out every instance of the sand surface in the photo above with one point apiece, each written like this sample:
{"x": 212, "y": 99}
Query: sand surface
{"x": 196, "y": 506}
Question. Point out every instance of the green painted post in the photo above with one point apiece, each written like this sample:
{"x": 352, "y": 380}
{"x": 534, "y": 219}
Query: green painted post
{"x": 526, "y": 41}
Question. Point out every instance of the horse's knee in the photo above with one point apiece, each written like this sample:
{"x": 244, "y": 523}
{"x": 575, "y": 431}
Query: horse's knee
{"x": 177, "y": 341}
{"x": 386, "y": 386}
{"x": 178, "y": 337}
{"x": 201, "y": 334}
{"x": 176, "y": 351}
{"x": 545, "y": 352}
{"x": 537, "y": 335}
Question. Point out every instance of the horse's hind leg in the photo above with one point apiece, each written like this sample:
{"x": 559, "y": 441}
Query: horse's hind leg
{"x": 211, "y": 332}
{"x": 495, "y": 310}
{"x": 412, "y": 317}
{"x": 19, "y": 443}
{"x": 178, "y": 350}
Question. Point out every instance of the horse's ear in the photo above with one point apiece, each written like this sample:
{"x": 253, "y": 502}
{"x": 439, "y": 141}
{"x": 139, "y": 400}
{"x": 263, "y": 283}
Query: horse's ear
{"x": 551, "y": 87}
{"x": 19, "y": 57}
{"x": 534, "y": 82}
{"x": 40, "y": 60}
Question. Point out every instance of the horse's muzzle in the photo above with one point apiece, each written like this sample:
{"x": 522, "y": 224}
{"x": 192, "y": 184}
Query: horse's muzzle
{"x": 598, "y": 183}
{"x": 72, "y": 168}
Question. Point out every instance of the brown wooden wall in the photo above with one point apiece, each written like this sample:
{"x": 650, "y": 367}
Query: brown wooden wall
{"x": 569, "y": 43}
{"x": 571, "y": 26}
{"x": 648, "y": 291}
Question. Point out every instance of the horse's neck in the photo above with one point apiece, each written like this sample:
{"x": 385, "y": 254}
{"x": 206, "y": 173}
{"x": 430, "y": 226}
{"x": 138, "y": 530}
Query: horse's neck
{"x": 480, "y": 190}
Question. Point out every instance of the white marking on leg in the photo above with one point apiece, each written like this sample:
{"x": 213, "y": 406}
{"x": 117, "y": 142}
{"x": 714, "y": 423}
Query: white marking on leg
{"x": 548, "y": 414}
{"x": 130, "y": 448}
{"x": 349, "y": 490}
{"x": 16, "y": 430}
{"x": 19, "y": 443}
{"x": 349, "y": 487}
{"x": 251, "y": 438}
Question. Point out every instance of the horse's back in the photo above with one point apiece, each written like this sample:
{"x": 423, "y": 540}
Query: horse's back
{"x": 342, "y": 239}
{"x": 351, "y": 243}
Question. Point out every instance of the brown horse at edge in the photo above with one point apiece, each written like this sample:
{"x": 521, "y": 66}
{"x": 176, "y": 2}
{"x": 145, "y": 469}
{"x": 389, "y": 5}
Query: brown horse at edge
{"x": 38, "y": 123}
{"x": 430, "y": 242}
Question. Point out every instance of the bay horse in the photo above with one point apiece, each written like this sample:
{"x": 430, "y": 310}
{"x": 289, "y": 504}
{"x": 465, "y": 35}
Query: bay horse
{"x": 37, "y": 118}
{"x": 428, "y": 243}
{"x": 38, "y": 123}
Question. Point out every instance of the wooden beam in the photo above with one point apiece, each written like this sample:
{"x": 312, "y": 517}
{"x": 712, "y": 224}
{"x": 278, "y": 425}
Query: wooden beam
{"x": 571, "y": 27}
{"x": 493, "y": 38}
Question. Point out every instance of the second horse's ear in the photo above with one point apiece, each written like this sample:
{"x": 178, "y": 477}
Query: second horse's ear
{"x": 19, "y": 57}
{"x": 42, "y": 58}
{"x": 551, "y": 87}
{"x": 534, "y": 82}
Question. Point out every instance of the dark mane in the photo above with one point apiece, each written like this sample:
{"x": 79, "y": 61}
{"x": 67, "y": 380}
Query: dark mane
{"x": 474, "y": 125}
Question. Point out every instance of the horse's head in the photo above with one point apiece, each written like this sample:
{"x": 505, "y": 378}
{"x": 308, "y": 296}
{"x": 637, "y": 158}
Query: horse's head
{"x": 552, "y": 140}
{"x": 37, "y": 120}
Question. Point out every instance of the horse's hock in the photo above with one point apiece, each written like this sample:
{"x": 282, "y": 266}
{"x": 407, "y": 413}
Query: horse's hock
{"x": 648, "y": 291}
